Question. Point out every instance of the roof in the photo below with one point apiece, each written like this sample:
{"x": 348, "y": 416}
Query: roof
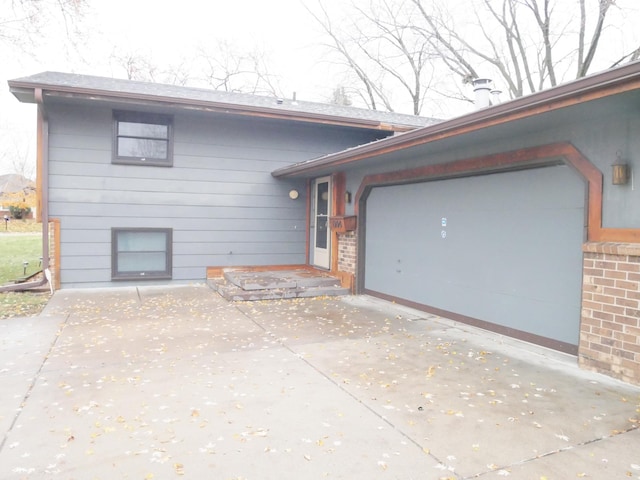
{"x": 57, "y": 84}
{"x": 611, "y": 90}
{"x": 13, "y": 182}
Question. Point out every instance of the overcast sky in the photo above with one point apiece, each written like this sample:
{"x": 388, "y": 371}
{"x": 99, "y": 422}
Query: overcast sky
{"x": 167, "y": 31}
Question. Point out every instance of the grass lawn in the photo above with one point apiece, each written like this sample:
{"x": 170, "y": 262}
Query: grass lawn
{"x": 16, "y": 249}
{"x": 22, "y": 242}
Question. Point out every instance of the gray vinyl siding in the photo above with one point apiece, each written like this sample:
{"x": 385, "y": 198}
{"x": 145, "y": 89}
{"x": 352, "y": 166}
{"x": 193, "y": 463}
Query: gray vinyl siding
{"x": 219, "y": 197}
{"x": 503, "y": 248}
{"x": 597, "y": 136}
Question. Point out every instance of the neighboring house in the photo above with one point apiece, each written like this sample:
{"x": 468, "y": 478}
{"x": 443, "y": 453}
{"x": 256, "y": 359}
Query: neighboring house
{"x": 11, "y": 184}
{"x": 506, "y": 218}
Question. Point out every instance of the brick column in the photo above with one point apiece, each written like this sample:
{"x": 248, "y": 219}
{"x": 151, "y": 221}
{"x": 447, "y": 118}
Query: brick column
{"x": 347, "y": 258}
{"x": 610, "y": 327}
{"x": 347, "y": 252}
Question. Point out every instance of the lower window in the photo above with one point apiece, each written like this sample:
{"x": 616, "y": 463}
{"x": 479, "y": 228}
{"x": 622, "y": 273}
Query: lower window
{"x": 140, "y": 253}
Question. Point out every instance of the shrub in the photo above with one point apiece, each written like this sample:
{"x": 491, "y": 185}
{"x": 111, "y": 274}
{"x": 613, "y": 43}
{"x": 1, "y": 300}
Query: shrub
{"x": 19, "y": 212}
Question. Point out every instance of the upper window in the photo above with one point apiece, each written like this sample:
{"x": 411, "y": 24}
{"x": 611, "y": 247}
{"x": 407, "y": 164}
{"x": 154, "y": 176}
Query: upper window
{"x": 142, "y": 139}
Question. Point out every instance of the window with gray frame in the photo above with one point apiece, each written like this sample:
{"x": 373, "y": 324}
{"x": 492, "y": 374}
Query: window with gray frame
{"x": 142, "y": 139}
{"x": 141, "y": 253}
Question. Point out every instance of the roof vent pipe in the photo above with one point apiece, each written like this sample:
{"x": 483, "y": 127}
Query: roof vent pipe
{"x": 495, "y": 97}
{"x": 481, "y": 88}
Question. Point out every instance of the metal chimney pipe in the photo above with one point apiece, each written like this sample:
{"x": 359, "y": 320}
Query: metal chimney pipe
{"x": 481, "y": 88}
{"x": 495, "y": 97}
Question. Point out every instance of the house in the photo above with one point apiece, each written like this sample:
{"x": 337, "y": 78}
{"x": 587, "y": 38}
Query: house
{"x": 147, "y": 182}
{"x": 522, "y": 218}
{"x": 14, "y": 186}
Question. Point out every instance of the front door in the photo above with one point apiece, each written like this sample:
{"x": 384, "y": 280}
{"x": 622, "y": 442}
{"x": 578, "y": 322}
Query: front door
{"x": 322, "y": 233}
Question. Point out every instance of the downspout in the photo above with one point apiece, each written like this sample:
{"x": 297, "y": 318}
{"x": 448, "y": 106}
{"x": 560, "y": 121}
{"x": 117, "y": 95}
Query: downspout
{"x": 43, "y": 160}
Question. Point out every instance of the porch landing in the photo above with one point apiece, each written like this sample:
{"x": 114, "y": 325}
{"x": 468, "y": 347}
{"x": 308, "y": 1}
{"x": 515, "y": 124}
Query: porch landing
{"x": 248, "y": 285}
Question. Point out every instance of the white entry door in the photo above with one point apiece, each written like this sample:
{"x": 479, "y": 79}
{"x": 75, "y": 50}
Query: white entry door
{"x": 322, "y": 235}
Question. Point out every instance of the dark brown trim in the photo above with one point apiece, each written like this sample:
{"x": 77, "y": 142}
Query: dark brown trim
{"x": 517, "y": 159}
{"x": 608, "y": 83}
{"x": 475, "y": 322}
{"x": 55, "y": 223}
{"x": 99, "y": 95}
{"x": 339, "y": 187}
{"x": 307, "y": 252}
{"x": 338, "y": 183}
{"x": 40, "y": 156}
{"x": 626, "y": 249}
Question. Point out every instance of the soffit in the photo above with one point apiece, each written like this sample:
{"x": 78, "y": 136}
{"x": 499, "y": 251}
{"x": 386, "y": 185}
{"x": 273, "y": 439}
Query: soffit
{"x": 479, "y": 140}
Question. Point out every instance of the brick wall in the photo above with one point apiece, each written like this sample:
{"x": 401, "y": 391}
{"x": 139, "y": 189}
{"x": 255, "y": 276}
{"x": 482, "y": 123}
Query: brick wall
{"x": 347, "y": 253}
{"x": 610, "y": 327}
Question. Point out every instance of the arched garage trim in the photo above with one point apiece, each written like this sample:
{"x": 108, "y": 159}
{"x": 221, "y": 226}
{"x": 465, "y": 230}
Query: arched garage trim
{"x": 530, "y": 158}
{"x": 517, "y": 159}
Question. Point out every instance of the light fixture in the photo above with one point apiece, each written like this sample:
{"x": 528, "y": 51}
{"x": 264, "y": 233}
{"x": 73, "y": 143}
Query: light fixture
{"x": 347, "y": 197}
{"x": 620, "y": 173}
{"x": 293, "y": 194}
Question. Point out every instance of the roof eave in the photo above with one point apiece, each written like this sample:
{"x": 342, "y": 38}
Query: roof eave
{"x": 586, "y": 89}
{"x": 24, "y": 92}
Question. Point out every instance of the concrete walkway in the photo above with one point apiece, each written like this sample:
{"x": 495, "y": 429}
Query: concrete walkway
{"x": 161, "y": 383}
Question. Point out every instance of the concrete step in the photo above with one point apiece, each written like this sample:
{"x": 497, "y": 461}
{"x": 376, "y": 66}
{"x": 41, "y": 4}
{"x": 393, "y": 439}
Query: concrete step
{"x": 275, "y": 289}
{"x": 233, "y": 293}
{"x": 270, "y": 280}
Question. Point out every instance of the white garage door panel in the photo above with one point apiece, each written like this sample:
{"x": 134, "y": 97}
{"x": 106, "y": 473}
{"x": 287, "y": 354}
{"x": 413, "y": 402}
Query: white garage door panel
{"x": 510, "y": 252}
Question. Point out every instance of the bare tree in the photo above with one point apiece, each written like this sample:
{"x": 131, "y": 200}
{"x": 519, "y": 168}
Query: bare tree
{"x": 382, "y": 50}
{"x": 22, "y": 162}
{"x": 220, "y": 66}
{"x": 136, "y": 66}
{"x": 339, "y": 43}
{"x": 339, "y": 96}
{"x": 23, "y": 22}
{"x": 414, "y": 47}
{"x": 527, "y": 44}
{"x": 224, "y": 67}
{"x": 16, "y": 155}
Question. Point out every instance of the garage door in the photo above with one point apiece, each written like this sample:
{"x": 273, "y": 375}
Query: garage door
{"x": 502, "y": 248}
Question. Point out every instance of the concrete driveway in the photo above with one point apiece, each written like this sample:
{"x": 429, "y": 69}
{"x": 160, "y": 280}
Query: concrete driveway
{"x": 161, "y": 383}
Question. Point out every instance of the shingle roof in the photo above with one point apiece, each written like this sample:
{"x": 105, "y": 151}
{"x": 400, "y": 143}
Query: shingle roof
{"x": 70, "y": 82}
{"x": 13, "y": 182}
{"x": 602, "y": 87}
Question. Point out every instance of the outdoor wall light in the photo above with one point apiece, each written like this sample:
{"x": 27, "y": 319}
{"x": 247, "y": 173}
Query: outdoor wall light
{"x": 293, "y": 194}
{"x": 620, "y": 173}
{"x": 347, "y": 197}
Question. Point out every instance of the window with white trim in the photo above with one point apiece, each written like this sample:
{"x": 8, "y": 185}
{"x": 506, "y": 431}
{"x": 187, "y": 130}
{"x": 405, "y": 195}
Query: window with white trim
{"x": 142, "y": 139}
{"x": 141, "y": 253}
